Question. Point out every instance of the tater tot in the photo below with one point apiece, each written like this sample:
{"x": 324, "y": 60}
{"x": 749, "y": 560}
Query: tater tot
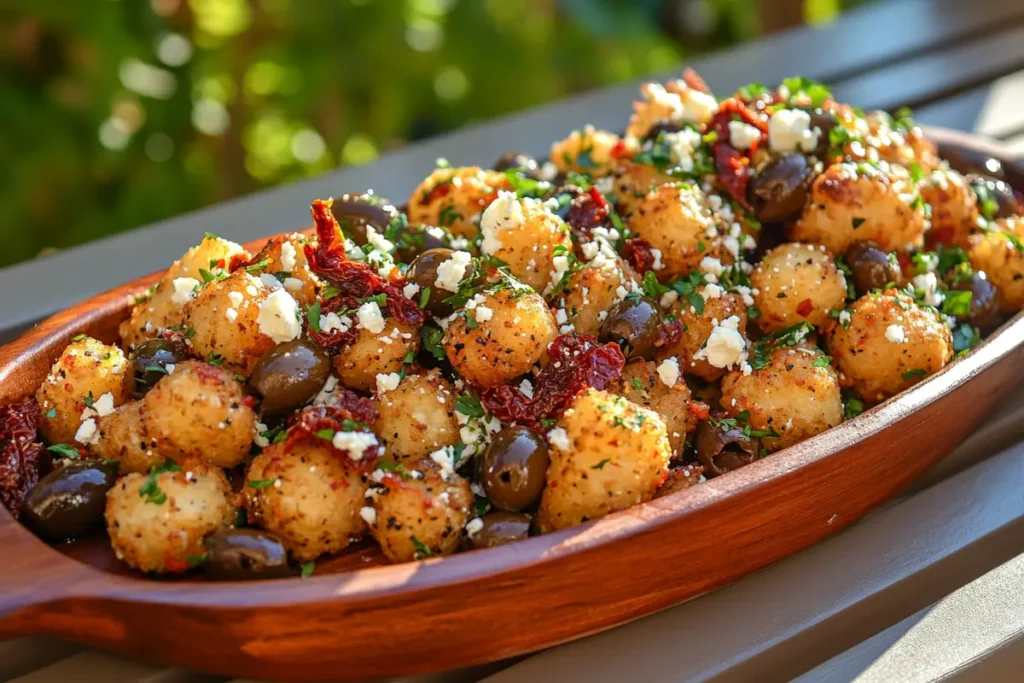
{"x": 527, "y": 236}
{"x": 797, "y": 282}
{"x": 674, "y": 221}
{"x": 661, "y": 388}
{"x": 1001, "y": 259}
{"x": 453, "y": 198}
{"x": 417, "y": 417}
{"x": 587, "y": 151}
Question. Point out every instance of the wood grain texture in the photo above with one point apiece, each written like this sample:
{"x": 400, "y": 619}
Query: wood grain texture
{"x": 363, "y": 621}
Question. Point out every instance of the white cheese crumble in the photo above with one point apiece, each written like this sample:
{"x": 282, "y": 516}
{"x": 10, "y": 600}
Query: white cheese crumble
{"x": 656, "y": 253}
{"x": 895, "y": 334}
{"x": 451, "y": 271}
{"x": 231, "y": 314}
{"x": 326, "y": 395}
{"x": 236, "y": 298}
{"x": 368, "y": 514}
{"x": 257, "y": 437}
{"x": 184, "y": 289}
{"x": 711, "y": 291}
{"x": 559, "y": 438}
{"x": 743, "y": 135}
{"x": 725, "y": 346}
{"x": 353, "y": 443}
{"x": 844, "y": 317}
{"x": 682, "y": 145}
{"x": 329, "y": 322}
{"x": 287, "y": 256}
{"x": 474, "y": 526}
{"x": 928, "y": 283}
{"x": 270, "y": 282}
{"x": 504, "y": 213}
{"x": 445, "y": 459}
{"x": 483, "y": 314}
{"x": 410, "y": 290}
{"x": 279, "y": 317}
{"x": 104, "y": 405}
{"x": 789, "y": 130}
{"x": 668, "y": 371}
{"x": 87, "y": 432}
{"x": 387, "y": 381}
{"x": 526, "y": 388}
{"x": 293, "y": 284}
{"x": 370, "y": 317}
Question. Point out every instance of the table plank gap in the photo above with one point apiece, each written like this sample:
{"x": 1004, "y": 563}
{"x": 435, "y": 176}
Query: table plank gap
{"x": 991, "y": 109}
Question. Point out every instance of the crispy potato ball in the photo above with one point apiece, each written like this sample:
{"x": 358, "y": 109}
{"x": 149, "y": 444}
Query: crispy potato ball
{"x": 889, "y": 344}
{"x": 157, "y": 522}
{"x": 697, "y": 327}
{"x": 797, "y": 282}
{"x": 123, "y": 437}
{"x": 224, "y": 315}
{"x": 417, "y": 417}
{"x": 790, "y": 395}
{"x": 641, "y": 384}
{"x": 674, "y": 220}
{"x": 675, "y": 101}
{"x": 86, "y": 372}
{"x": 954, "y": 206}
{"x": 307, "y": 495}
{"x": 285, "y": 258}
{"x": 633, "y": 181}
{"x": 504, "y": 343}
{"x": 607, "y": 454}
{"x": 373, "y": 354}
{"x": 454, "y": 197}
{"x": 418, "y": 511}
{"x": 680, "y": 478}
{"x": 585, "y": 151}
{"x": 855, "y": 202}
{"x": 591, "y": 292}
{"x": 162, "y": 309}
{"x": 198, "y": 412}
{"x": 1002, "y": 261}
{"x": 526, "y": 235}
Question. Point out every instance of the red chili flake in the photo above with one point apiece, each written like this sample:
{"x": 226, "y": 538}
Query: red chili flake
{"x": 355, "y": 280}
{"x": 699, "y": 410}
{"x": 209, "y": 373}
{"x": 442, "y": 189}
{"x": 637, "y": 251}
{"x": 693, "y": 79}
{"x": 351, "y": 408}
{"x": 618, "y": 149}
{"x": 804, "y": 307}
{"x": 575, "y": 363}
{"x": 175, "y": 564}
{"x": 21, "y": 454}
{"x": 733, "y": 166}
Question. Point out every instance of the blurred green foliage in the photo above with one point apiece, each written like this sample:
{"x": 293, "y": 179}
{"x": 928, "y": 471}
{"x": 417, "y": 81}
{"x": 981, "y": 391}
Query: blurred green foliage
{"x": 117, "y": 113}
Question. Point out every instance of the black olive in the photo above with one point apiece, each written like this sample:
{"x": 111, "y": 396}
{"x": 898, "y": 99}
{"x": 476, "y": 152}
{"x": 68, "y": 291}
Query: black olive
{"x": 996, "y": 199}
{"x": 289, "y": 375}
{"x": 824, "y": 121}
{"x": 500, "y": 528}
{"x": 635, "y": 323}
{"x": 872, "y": 268}
{"x": 423, "y": 272}
{"x": 69, "y": 502}
{"x": 985, "y": 309}
{"x": 416, "y": 239}
{"x": 514, "y": 468}
{"x": 355, "y": 212}
{"x": 967, "y": 160}
{"x": 662, "y": 126}
{"x": 518, "y": 160}
{"x": 245, "y": 554}
{"x": 723, "y": 448}
{"x": 148, "y": 363}
{"x": 778, "y": 191}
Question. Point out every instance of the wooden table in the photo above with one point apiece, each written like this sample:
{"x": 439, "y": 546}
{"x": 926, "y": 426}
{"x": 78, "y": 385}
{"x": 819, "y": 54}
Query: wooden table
{"x": 940, "y": 568}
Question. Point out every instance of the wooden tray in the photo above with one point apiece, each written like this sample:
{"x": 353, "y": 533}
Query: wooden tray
{"x": 356, "y": 620}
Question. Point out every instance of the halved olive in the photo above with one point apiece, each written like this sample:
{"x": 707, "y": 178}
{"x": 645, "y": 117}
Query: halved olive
{"x": 872, "y": 268}
{"x": 514, "y": 468}
{"x": 423, "y": 271}
{"x": 984, "y": 300}
{"x": 500, "y": 528}
{"x": 662, "y": 126}
{"x": 416, "y": 239}
{"x": 289, "y": 375}
{"x": 722, "y": 448}
{"x": 245, "y": 554}
{"x": 148, "y": 364}
{"x": 778, "y": 191}
{"x": 635, "y": 324}
{"x": 996, "y": 199}
{"x": 824, "y": 121}
{"x": 525, "y": 162}
{"x": 69, "y": 502}
{"x": 355, "y": 212}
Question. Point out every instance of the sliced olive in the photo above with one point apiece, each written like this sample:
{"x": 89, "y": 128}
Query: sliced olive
{"x": 996, "y": 199}
{"x": 722, "y": 448}
{"x": 872, "y": 268}
{"x": 525, "y": 162}
{"x": 423, "y": 272}
{"x": 289, "y": 375}
{"x": 984, "y": 300}
{"x": 662, "y": 126}
{"x": 500, "y": 528}
{"x": 514, "y": 468}
{"x": 355, "y": 212}
{"x": 245, "y": 554}
{"x": 148, "y": 364}
{"x": 778, "y": 192}
{"x": 69, "y": 502}
{"x": 416, "y": 239}
{"x": 635, "y": 324}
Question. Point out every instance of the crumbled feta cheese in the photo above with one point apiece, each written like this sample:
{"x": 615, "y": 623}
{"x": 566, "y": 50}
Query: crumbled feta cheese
{"x": 445, "y": 459}
{"x": 526, "y": 388}
{"x": 451, "y": 271}
{"x": 329, "y": 322}
{"x": 169, "y": 368}
{"x": 725, "y": 346}
{"x": 844, "y": 317}
{"x": 698, "y": 106}
{"x": 561, "y": 265}
{"x": 236, "y": 298}
{"x": 387, "y": 381}
{"x": 711, "y": 291}
{"x": 559, "y": 438}
{"x": 474, "y": 526}
{"x": 895, "y": 334}
{"x": 504, "y": 213}
{"x": 293, "y": 284}
{"x": 668, "y": 371}
{"x": 231, "y": 314}
{"x": 353, "y": 443}
{"x": 370, "y": 317}
{"x": 483, "y": 314}
{"x": 928, "y": 283}
{"x": 710, "y": 265}
{"x": 561, "y": 317}
{"x": 184, "y": 289}
{"x": 669, "y": 298}
{"x": 743, "y": 135}
{"x": 279, "y": 317}
{"x": 368, "y": 514}
{"x": 789, "y": 130}
{"x": 287, "y": 256}
{"x": 270, "y": 282}
{"x": 326, "y": 395}
{"x": 258, "y": 438}
{"x": 656, "y": 253}
{"x": 410, "y": 290}
{"x": 378, "y": 241}
{"x": 104, "y": 405}
{"x": 87, "y": 432}
{"x": 682, "y": 145}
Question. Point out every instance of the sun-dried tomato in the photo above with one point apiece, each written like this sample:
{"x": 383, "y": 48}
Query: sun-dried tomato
{"x": 699, "y": 409}
{"x": 575, "y": 363}
{"x": 668, "y": 333}
{"x": 352, "y": 413}
{"x": 694, "y": 81}
{"x": 587, "y": 211}
{"x": 22, "y": 459}
{"x": 354, "y": 280}
{"x": 805, "y": 307}
{"x": 732, "y": 165}
{"x": 637, "y": 251}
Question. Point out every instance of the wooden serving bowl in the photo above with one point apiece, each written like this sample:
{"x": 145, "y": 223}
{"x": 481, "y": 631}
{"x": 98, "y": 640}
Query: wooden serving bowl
{"x": 355, "y": 620}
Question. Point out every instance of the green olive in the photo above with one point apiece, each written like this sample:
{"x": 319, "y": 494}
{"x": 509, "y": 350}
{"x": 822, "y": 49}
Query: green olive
{"x": 69, "y": 502}
{"x": 423, "y": 272}
{"x": 245, "y": 554}
{"x": 148, "y": 364}
{"x": 500, "y": 528}
{"x": 289, "y": 375}
{"x": 514, "y": 468}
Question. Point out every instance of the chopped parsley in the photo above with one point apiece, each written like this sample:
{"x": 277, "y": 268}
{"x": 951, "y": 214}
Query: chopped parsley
{"x": 822, "y": 361}
{"x": 421, "y": 550}
{"x": 258, "y": 266}
{"x": 150, "y": 490}
{"x": 215, "y": 359}
{"x": 857, "y": 222}
{"x": 432, "y": 337}
{"x": 313, "y": 316}
{"x": 261, "y": 483}
{"x": 600, "y": 465}
{"x": 51, "y": 413}
{"x": 914, "y": 374}
{"x": 306, "y": 569}
{"x": 64, "y": 451}
{"x": 89, "y": 400}
{"x": 789, "y": 336}
{"x": 469, "y": 405}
